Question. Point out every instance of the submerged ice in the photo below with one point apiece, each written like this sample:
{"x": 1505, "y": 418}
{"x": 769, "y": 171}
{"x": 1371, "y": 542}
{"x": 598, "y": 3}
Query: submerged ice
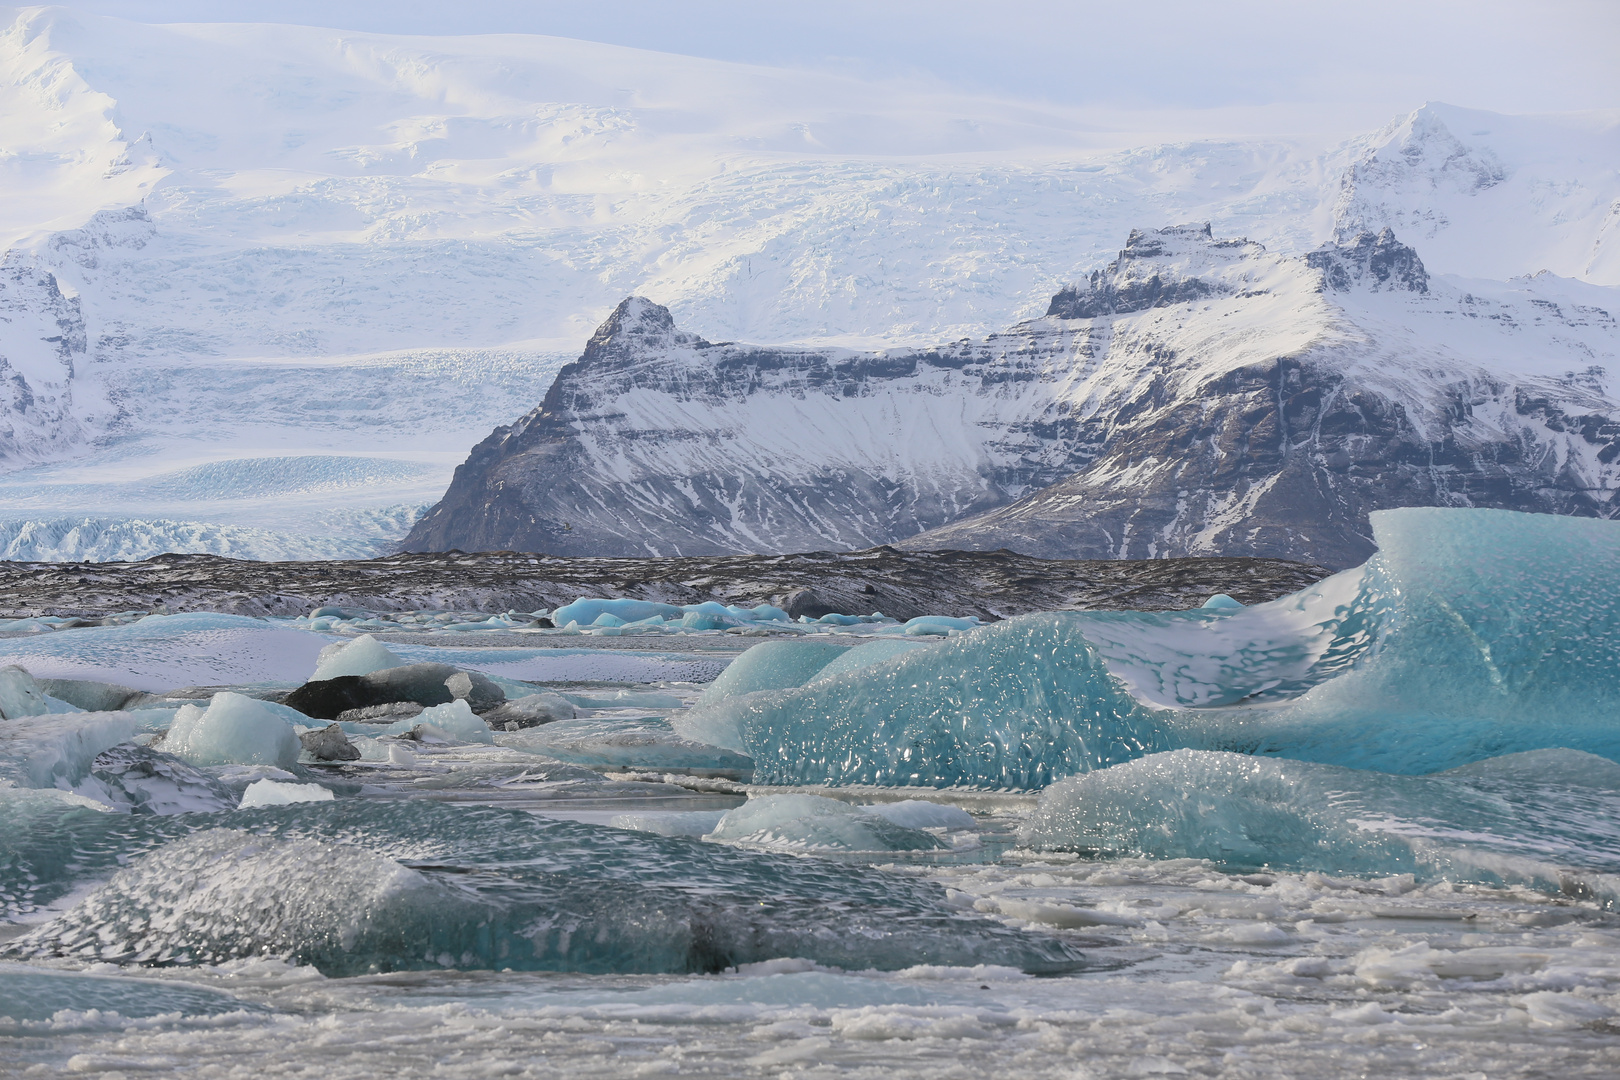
{"x": 353, "y": 886}
{"x": 1545, "y": 818}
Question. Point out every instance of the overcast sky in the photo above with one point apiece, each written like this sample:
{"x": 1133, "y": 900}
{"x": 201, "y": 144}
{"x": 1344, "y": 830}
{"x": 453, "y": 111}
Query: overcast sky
{"x": 1366, "y": 57}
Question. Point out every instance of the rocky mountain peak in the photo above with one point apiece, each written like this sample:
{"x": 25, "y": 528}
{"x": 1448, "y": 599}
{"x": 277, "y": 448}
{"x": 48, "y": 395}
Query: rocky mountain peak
{"x": 1376, "y": 262}
{"x": 1154, "y": 269}
{"x": 636, "y": 326}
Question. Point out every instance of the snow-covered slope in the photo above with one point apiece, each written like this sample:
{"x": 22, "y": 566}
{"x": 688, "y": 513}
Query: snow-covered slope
{"x": 335, "y": 224}
{"x": 1197, "y": 396}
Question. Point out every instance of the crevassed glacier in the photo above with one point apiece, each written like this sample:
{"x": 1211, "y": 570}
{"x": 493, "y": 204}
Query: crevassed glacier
{"x": 1471, "y": 634}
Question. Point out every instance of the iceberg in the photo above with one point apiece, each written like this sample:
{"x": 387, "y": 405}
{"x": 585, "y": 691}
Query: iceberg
{"x": 772, "y": 665}
{"x": 357, "y": 886}
{"x": 454, "y": 719}
{"x": 362, "y": 656}
{"x": 1543, "y": 818}
{"x": 20, "y": 695}
{"x": 146, "y": 781}
{"x": 1470, "y": 634}
{"x": 813, "y": 823}
{"x": 57, "y": 750}
{"x": 232, "y": 730}
{"x": 280, "y": 793}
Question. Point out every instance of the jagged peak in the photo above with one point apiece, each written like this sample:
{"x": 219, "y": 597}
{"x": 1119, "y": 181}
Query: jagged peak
{"x": 1376, "y": 262}
{"x": 636, "y": 325}
{"x": 1156, "y": 268}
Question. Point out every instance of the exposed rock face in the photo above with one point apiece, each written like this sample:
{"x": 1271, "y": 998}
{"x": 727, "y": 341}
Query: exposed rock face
{"x": 42, "y": 337}
{"x": 1199, "y": 396}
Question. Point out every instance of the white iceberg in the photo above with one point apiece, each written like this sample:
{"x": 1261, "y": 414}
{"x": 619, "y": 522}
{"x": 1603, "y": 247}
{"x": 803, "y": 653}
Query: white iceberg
{"x": 277, "y": 793}
{"x": 232, "y": 730}
{"x": 361, "y": 656}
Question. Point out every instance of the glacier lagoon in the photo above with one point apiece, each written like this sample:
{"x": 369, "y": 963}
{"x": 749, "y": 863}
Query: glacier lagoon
{"x": 1373, "y": 823}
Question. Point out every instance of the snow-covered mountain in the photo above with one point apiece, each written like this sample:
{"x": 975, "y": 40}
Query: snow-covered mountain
{"x": 281, "y": 241}
{"x": 1197, "y": 396}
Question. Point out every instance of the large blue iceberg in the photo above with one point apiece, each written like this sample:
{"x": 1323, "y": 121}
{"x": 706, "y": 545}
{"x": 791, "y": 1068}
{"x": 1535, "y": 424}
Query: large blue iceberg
{"x": 1544, "y": 818}
{"x": 1471, "y": 634}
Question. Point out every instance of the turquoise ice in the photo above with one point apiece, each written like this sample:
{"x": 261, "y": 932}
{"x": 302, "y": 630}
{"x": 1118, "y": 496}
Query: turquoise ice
{"x": 1471, "y": 634}
{"x": 1545, "y": 818}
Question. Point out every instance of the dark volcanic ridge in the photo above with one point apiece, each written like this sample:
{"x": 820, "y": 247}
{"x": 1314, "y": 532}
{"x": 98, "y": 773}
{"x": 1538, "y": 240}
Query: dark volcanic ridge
{"x": 901, "y": 584}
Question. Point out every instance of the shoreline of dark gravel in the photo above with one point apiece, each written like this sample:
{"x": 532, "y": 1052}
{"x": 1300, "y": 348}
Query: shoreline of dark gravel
{"x": 901, "y": 584}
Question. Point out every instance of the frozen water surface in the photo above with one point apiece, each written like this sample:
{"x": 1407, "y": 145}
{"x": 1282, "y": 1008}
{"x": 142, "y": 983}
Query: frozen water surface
{"x": 1373, "y": 828}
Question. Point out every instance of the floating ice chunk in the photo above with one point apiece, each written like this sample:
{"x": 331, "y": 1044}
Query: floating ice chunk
{"x": 585, "y": 611}
{"x": 1520, "y": 819}
{"x": 607, "y": 618}
{"x": 56, "y": 750}
{"x": 276, "y": 793}
{"x": 325, "y": 885}
{"x": 361, "y": 656}
{"x": 940, "y": 625}
{"x": 20, "y": 695}
{"x": 673, "y": 823}
{"x": 618, "y": 744}
{"x": 455, "y": 719}
{"x": 1221, "y": 602}
{"x": 1015, "y": 704}
{"x": 812, "y": 823}
{"x": 710, "y": 616}
{"x": 147, "y": 781}
{"x": 232, "y": 730}
{"x": 772, "y": 665}
{"x": 88, "y": 694}
{"x": 530, "y": 711}
{"x": 917, "y": 814}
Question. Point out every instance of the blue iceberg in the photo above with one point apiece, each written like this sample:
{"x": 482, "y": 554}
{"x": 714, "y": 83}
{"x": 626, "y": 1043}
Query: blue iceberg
{"x": 1544, "y": 818}
{"x": 1469, "y": 635}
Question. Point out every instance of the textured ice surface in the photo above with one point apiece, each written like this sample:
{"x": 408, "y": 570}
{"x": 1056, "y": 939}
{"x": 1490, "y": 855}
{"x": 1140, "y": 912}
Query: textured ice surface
{"x": 772, "y": 665}
{"x": 670, "y": 823}
{"x": 916, "y": 814}
{"x": 361, "y": 656}
{"x": 232, "y": 730}
{"x": 279, "y": 793}
{"x": 160, "y": 652}
{"x": 812, "y": 823}
{"x": 57, "y": 750}
{"x": 1015, "y": 704}
{"x": 20, "y": 695}
{"x": 871, "y": 653}
{"x": 147, "y": 781}
{"x": 1472, "y": 633}
{"x": 647, "y": 744}
{"x": 29, "y": 994}
{"x": 1546, "y": 818}
{"x": 455, "y": 719}
{"x": 362, "y": 885}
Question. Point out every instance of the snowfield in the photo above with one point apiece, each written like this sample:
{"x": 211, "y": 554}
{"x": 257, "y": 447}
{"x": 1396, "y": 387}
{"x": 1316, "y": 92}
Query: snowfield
{"x": 254, "y": 243}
